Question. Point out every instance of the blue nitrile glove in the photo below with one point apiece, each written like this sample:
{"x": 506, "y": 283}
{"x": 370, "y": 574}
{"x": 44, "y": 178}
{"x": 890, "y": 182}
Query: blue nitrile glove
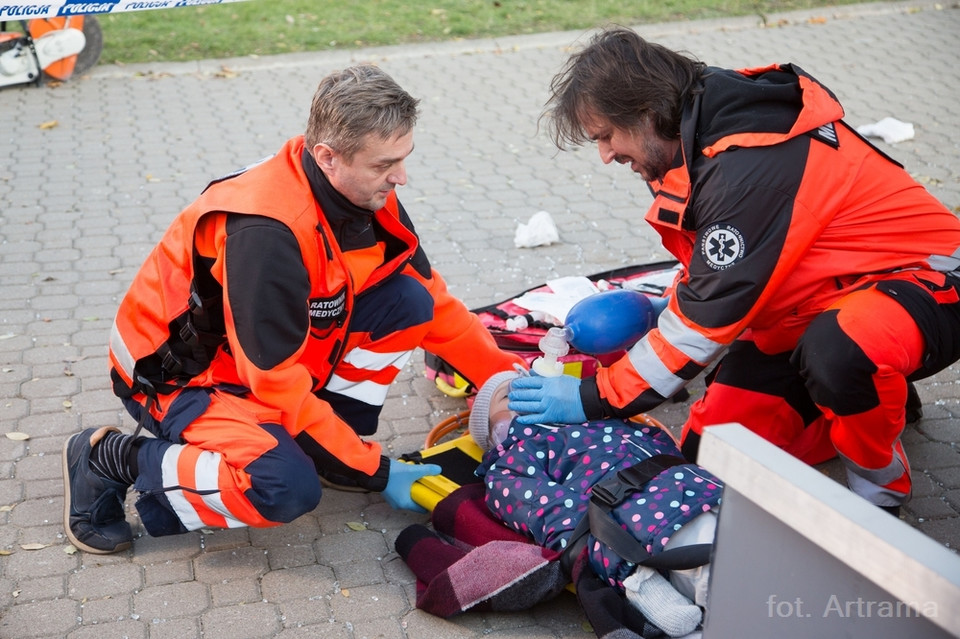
{"x": 547, "y": 400}
{"x": 401, "y": 480}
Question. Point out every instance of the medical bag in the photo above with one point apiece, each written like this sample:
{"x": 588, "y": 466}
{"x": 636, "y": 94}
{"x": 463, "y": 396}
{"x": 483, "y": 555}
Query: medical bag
{"x": 518, "y": 329}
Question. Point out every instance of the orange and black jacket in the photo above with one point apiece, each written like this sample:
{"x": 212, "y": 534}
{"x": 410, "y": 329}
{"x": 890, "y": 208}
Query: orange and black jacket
{"x": 776, "y": 208}
{"x": 249, "y": 288}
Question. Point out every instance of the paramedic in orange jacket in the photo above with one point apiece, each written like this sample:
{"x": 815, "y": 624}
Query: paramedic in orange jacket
{"x": 825, "y": 276}
{"x": 258, "y": 340}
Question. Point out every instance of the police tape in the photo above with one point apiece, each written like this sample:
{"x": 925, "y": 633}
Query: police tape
{"x": 32, "y": 10}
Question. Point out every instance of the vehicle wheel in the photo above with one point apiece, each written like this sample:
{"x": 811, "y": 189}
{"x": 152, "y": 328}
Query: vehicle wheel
{"x": 90, "y": 54}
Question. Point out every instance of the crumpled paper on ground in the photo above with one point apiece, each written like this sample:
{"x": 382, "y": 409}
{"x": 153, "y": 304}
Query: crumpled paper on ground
{"x": 891, "y": 130}
{"x": 539, "y": 231}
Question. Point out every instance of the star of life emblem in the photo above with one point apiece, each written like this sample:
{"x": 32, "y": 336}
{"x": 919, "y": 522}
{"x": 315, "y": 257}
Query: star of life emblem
{"x": 722, "y": 246}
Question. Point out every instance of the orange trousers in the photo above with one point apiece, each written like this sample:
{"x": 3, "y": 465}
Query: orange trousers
{"x": 843, "y": 389}
{"x": 223, "y": 459}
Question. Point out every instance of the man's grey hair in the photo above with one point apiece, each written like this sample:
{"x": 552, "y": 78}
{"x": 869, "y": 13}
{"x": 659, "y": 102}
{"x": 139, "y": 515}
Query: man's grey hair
{"x": 355, "y": 102}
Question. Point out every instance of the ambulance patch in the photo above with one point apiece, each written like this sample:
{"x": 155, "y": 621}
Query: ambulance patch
{"x": 722, "y": 246}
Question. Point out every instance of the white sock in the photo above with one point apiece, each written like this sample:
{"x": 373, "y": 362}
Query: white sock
{"x": 661, "y": 603}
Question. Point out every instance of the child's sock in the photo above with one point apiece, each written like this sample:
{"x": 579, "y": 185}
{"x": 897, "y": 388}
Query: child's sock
{"x": 661, "y": 603}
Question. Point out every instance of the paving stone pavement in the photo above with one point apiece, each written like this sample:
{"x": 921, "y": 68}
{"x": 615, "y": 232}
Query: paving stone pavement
{"x": 83, "y": 201}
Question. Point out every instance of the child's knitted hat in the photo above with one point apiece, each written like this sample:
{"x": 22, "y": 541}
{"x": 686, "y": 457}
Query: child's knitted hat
{"x": 480, "y": 412}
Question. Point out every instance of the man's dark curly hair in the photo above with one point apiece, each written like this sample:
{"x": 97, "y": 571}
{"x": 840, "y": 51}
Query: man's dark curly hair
{"x": 625, "y": 80}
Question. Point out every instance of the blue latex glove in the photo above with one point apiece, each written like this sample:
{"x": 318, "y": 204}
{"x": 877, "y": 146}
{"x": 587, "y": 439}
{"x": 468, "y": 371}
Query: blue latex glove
{"x": 401, "y": 480}
{"x": 547, "y": 400}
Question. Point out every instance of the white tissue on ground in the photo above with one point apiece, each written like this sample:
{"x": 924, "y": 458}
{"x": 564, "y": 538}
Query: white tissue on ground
{"x": 891, "y": 130}
{"x": 539, "y": 231}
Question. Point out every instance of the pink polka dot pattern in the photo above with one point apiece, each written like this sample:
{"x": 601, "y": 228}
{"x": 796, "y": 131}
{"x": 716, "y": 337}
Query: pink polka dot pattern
{"x": 539, "y": 480}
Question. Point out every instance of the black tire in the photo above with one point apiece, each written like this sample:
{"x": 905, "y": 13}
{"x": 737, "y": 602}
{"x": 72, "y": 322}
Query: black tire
{"x": 90, "y": 54}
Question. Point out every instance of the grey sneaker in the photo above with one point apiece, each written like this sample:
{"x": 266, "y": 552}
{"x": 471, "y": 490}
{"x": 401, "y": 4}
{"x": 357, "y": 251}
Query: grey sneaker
{"x": 93, "y": 516}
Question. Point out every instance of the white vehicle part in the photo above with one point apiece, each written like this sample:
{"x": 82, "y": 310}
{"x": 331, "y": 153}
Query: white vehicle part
{"x": 18, "y": 65}
{"x": 59, "y": 44}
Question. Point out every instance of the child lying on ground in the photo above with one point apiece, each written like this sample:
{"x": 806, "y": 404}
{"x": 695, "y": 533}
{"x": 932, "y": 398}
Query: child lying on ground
{"x": 539, "y": 481}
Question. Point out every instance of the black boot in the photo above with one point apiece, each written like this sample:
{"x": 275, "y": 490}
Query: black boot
{"x": 914, "y": 405}
{"x": 93, "y": 516}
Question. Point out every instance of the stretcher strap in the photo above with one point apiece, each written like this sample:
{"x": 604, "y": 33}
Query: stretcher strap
{"x": 607, "y": 495}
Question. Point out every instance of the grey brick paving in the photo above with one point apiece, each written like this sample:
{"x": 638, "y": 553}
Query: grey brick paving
{"x": 81, "y": 204}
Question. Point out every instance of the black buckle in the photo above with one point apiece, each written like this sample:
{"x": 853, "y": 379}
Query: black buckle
{"x": 171, "y": 363}
{"x": 189, "y": 334}
{"x": 196, "y": 338}
{"x": 195, "y": 303}
{"x": 610, "y": 492}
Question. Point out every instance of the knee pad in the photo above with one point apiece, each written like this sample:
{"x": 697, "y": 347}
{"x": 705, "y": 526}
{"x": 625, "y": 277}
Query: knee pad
{"x": 837, "y": 373}
{"x": 284, "y": 480}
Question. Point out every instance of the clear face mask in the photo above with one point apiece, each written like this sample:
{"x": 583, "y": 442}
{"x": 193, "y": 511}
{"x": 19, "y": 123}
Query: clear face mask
{"x": 499, "y": 428}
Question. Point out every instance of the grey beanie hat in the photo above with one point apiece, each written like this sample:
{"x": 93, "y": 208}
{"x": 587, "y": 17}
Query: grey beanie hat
{"x": 480, "y": 412}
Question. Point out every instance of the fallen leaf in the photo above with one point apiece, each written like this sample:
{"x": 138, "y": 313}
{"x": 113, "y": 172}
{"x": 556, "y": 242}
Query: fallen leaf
{"x": 18, "y": 437}
{"x": 6, "y": 509}
{"x": 345, "y": 592}
{"x": 70, "y": 549}
{"x": 356, "y": 525}
{"x": 49, "y": 124}
{"x": 817, "y": 20}
{"x": 4, "y": 553}
{"x": 33, "y": 546}
{"x": 67, "y": 403}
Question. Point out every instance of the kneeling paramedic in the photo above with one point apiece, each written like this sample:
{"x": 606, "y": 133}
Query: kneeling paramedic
{"x": 259, "y": 338}
{"x": 825, "y": 276}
